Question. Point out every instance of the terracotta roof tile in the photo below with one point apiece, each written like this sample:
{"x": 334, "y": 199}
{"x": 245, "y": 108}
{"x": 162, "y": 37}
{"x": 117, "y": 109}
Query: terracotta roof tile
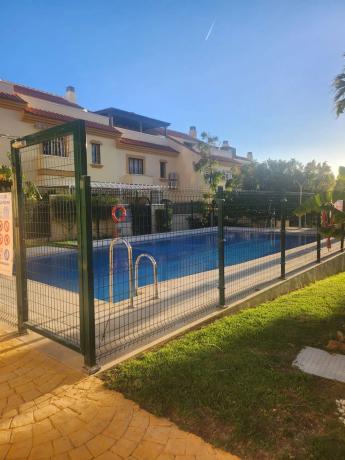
{"x": 133, "y": 142}
{"x": 65, "y": 118}
{"x": 43, "y": 95}
{"x": 12, "y": 97}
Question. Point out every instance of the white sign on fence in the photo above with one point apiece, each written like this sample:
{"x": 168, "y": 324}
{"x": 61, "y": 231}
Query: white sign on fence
{"x": 6, "y": 234}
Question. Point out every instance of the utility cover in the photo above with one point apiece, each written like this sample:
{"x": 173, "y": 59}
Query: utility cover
{"x": 318, "y": 362}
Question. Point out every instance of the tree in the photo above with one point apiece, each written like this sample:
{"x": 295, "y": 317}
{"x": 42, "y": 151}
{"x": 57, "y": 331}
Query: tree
{"x": 323, "y": 204}
{"x": 332, "y": 220}
{"x": 340, "y": 182}
{"x": 207, "y": 166}
{"x": 287, "y": 176}
{"x": 319, "y": 177}
{"x": 339, "y": 90}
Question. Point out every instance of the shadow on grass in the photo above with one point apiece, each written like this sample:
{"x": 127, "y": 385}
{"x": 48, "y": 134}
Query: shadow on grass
{"x": 233, "y": 384}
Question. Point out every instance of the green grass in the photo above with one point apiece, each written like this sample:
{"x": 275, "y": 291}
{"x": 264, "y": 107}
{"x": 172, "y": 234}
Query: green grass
{"x": 233, "y": 384}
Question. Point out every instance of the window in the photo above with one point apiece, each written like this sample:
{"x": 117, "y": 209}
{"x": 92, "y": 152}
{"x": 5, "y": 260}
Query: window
{"x": 163, "y": 170}
{"x": 96, "y": 153}
{"x": 55, "y": 147}
{"x": 135, "y": 166}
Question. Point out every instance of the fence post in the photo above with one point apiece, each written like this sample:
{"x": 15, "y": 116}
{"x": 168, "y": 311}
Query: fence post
{"x": 84, "y": 219}
{"x": 283, "y": 238}
{"x": 342, "y": 238}
{"x": 87, "y": 273}
{"x": 318, "y": 240}
{"x": 221, "y": 241}
{"x": 166, "y": 226}
{"x": 19, "y": 245}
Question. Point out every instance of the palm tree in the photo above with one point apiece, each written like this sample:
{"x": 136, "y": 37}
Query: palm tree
{"x": 339, "y": 96}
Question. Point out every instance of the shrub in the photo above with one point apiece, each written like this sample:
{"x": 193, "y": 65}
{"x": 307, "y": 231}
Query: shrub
{"x": 64, "y": 208}
{"x": 5, "y": 178}
{"x": 101, "y": 206}
{"x": 164, "y": 219}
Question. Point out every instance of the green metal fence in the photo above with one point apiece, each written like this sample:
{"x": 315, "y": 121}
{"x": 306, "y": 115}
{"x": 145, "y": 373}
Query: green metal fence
{"x": 54, "y": 299}
{"x": 102, "y": 287}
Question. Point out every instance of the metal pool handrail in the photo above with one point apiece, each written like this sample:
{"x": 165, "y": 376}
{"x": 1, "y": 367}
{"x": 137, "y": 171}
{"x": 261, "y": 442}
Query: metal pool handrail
{"x": 111, "y": 268}
{"x": 155, "y": 273}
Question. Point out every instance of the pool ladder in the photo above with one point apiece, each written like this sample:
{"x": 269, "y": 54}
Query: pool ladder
{"x": 132, "y": 292}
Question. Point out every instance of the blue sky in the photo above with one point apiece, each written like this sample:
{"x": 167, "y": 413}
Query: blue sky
{"x": 262, "y": 80}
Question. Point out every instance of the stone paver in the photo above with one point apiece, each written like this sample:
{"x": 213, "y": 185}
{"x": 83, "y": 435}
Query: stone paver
{"x": 49, "y": 410}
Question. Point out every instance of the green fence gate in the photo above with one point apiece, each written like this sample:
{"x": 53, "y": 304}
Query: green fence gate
{"x": 52, "y": 219}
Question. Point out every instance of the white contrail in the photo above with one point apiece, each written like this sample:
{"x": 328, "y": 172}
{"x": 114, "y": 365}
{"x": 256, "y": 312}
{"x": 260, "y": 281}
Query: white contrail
{"x": 210, "y": 31}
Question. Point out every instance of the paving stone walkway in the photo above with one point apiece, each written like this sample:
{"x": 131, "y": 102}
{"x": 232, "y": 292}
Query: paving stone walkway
{"x": 51, "y": 411}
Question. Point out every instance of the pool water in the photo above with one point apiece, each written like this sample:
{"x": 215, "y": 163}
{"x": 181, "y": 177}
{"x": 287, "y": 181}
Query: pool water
{"x": 176, "y": 257}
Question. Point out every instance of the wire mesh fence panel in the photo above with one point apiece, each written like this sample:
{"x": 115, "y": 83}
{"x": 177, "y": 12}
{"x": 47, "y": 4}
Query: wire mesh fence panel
{"x": 155, "y": 267}
{"x": 252, "y": 241}
{"x": 50, "y": 237}
{"x": 156, "y": 255}
{"x": 263, "y": 240}
{"x": 301, "y": 249}
{"x": 301, "y": 238}
{"x": 8, "y": 300}
{"x": 329, "y": 247}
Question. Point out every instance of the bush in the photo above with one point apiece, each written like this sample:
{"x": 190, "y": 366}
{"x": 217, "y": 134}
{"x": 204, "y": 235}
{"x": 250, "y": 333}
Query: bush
{"x": 102, "y": 205}
{"x": 164, "y": 219}
{"x": 5, "y": 178}
{"x": 64, "y": 208}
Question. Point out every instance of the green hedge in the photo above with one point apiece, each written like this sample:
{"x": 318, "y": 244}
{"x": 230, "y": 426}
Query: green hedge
{"x": 164, "y": 219}
{"x": 64, "y": 209}
{"x": 101, "y": 206}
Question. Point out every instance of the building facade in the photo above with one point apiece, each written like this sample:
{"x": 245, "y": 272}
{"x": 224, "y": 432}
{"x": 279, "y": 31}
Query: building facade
{"x": 122, "y": 147}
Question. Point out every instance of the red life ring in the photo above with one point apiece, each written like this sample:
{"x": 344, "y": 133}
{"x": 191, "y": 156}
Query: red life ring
{"x": 118, "y": 213}
{"x": 327, "y": 221}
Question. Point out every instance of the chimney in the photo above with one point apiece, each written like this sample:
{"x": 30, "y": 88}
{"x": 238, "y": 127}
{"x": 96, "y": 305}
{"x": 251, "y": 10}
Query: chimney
{"x": 70, "y": 94}
{"x": 192, "y": 131}
{"x": 225, "y": 145}
{"x": 250, "y": 156}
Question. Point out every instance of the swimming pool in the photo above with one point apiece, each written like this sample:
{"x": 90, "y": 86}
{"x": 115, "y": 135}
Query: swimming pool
{"x": 176, "y": 256}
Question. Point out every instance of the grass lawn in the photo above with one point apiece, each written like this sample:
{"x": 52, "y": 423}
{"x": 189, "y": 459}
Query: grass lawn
{"x": 232, "y": 382}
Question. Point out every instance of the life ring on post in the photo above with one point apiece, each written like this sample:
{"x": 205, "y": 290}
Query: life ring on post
{"x": 118, "y": 213}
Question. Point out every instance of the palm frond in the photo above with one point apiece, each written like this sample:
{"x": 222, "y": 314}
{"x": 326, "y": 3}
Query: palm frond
{"x": 340, "y": 107}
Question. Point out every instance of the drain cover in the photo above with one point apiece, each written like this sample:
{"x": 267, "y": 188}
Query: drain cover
{"x": 318, "y": 362}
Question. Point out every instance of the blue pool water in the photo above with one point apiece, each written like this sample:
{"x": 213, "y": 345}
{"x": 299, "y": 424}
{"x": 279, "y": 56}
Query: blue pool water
{"x": 176, "y": 257}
